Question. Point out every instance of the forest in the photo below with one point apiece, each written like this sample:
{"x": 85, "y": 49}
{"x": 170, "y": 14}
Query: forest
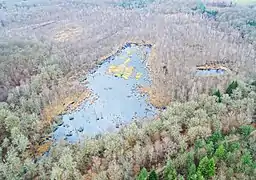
{"x": 205, "y": 125}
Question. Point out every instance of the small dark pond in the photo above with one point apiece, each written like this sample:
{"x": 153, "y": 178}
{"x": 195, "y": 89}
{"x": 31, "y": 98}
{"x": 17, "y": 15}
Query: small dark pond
{"x": 210, "y": 72}
{"x": 115, "y": 101}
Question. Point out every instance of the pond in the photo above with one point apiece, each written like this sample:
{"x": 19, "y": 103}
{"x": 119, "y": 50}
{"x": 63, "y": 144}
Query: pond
{"x": 116, "y": 100}
{"x": 210, "y": 72}
{"x": 212, "y": 69}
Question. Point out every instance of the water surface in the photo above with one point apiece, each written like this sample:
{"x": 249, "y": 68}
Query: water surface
{"x": 210, "y": 72}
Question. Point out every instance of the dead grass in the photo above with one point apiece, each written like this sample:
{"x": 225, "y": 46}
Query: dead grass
{"x": 41, "y": 149}
{"x": 63, "y": 104}
{"x": 68, "y": 33}
{"x": 213, "y": 65}
{"x": 155, "y": 97}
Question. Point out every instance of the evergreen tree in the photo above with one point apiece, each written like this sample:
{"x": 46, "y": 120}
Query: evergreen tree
{"x": 220, "y": 152}
{"x": 153, "y": 175}
{"x": 218, "y": 94}
{"x": 143, "y": 174}
{"x": 170, "y": 172}
{"x": 191, "y": 167}
{"x": 211, "y": 167}
{"x": 207, "y": 167}
{"x": 231, "y": 87}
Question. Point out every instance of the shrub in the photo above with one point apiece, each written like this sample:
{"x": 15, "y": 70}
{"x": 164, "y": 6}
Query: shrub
{"x": 246, "y": 130}
{"x": 143, "y": 175}
{"x": 191, "y": 167}
{"x": 170, "y": 172}
{"x": 218, "y": 94}
{"x": 220, "y": 152}
{"x": 153, "y": 175}
{"x": 210, "y": 148}
{"x": 247, "y": 159}
{"x": 207, "y": 167}
{"x": 231, "y": 87}
{"x": 215, "y": 137}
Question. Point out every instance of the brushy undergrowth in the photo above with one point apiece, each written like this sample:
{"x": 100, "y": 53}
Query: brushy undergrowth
{"x": 36, "y": 78}
{"x": 201, "y": 129}
{"x": 230, "y": 156}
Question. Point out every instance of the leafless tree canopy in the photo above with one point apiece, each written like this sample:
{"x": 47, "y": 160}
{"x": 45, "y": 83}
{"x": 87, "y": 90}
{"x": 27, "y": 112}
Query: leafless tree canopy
{"x": 47, "y": 45}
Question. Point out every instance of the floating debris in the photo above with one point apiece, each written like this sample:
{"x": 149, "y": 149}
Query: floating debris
{"x": 82, "y": 79}
{"x": 54, "y": 128}
{"x": 127, "y": 61}
{"x": 66, "y": 125}
{"x": 100, "y": 63}
{"x": 209, "y": 72}
{"x": 138, "y": 76}
{"x": 69, "y": 134}
{"x": 117, "y": 126}
{"x": 81, "y": 129}
{"x": 71, "y": 118}
{"x": 58, "y": 120}
{"x": 61, "y": 123}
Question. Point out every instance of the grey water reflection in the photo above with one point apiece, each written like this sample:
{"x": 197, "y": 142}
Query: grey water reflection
{"x": 210, "y": 72}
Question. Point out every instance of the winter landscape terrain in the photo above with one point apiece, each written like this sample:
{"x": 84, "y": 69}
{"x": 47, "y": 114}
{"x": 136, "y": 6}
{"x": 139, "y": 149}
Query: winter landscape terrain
{"x": 128, "y": 89}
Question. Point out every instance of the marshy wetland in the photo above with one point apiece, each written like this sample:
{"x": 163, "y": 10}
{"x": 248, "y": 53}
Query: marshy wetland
{"x": 115, "y": 99}
{"x": 127, "y": 89}
{"x": 116, "y": 95}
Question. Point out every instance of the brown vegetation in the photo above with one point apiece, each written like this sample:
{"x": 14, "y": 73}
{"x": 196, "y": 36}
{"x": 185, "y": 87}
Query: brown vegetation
{"x": 156, "y": 99}
{"x": 68, "y": 33}
{"x": 64, "y": 104}
{"x": 40, "y": 74}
